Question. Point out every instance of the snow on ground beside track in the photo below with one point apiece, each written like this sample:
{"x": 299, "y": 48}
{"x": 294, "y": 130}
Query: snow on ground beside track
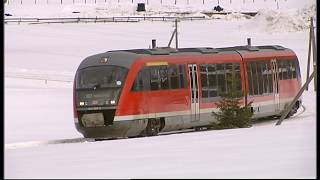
{"x": 286, "y": 151}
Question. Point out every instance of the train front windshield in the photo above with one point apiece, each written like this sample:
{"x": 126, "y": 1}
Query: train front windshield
{"x": 99, "y": 86}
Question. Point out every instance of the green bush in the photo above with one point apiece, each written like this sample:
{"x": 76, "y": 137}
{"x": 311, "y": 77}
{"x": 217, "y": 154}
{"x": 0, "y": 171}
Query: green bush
{"x": 231, "y": 114}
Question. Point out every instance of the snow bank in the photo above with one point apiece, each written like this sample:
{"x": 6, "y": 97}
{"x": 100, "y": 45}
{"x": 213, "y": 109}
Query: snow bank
{"x": 290, "y": 20}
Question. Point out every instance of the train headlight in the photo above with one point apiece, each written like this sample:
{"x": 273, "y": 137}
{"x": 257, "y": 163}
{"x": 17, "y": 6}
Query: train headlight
{"x": 81, "y": 103}
{"x": 112, "y": 102}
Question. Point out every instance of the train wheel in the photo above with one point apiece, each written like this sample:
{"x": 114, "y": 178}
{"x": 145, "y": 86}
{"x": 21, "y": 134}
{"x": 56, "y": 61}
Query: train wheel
{"x": 153, "y": 127}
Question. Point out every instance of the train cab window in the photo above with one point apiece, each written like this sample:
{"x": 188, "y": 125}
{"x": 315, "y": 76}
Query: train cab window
{"x": 141, "y": 80}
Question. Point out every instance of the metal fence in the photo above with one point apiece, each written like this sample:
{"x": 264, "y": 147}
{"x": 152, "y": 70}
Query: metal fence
{"x": 97, "y": 19}
{"x": 175, "y": 2}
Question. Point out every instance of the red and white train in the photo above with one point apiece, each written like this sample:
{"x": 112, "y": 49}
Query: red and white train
{"x": 129, "y": 93}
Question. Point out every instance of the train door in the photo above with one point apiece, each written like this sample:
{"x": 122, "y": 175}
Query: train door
{"x": 194, "y": 92}
{"x": 275, "y": 80}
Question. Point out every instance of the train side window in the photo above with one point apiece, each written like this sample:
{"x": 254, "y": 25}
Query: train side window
{"x": 255, "y": 78}
{"x": 212, "y": 80}
{"x": 209, "y": 84}
{"x": 154, "y": 78}
{"x": 182, "y": 74}
{"x": 173, "y": 77}
{"x": 221, "y": 78}
{"x": 266, "y": 73}
{"x": 163, "y": 75}
{"x": 293, "y": 69}
{"x": 250, "y": 81}
{"x": 290, "y": 69}
{"x": 284, "y": 70}
{"x": 204, "y": 76}
{"x": 204, "y": 80}
{"x": 260, "y": 79}
{"x": 228, "y": 72}
{"x": 236, "y": 70}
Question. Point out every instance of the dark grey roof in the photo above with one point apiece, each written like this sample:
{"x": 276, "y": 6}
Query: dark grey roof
{"x": 125, "y": 58}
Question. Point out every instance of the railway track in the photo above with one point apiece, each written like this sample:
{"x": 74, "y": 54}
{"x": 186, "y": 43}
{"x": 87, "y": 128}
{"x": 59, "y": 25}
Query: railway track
{"x": 28, "y": 144}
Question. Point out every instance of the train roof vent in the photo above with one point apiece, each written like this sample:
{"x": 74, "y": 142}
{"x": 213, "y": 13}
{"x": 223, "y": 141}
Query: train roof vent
{"x": 277, "y": 47}
{"x": 205, "y": 50}
{"x": 161, "y": 51}
{"x": 252, "y": 48}
{"x": 208, "y": 50}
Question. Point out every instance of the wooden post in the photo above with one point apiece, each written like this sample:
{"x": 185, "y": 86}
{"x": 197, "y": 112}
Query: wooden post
{"x": 289, "y": 108}
{"x": 176, "y": 24}
{"x": 154, "y": 44}
{"x": 249, "y": 41}
{"x": 312, "y": 44}
{"x": 171, "y": 38}
{"x": 314, "y": 53}
{"x": 309, "y": 55}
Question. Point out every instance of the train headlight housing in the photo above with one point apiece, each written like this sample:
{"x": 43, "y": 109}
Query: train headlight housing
{"x": 112, "y": 102}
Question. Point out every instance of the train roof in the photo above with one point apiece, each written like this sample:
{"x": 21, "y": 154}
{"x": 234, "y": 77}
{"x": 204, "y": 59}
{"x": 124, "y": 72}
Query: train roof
{"x": 125, "y": 58}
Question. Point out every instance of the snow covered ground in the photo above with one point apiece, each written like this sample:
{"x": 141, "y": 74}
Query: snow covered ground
{"x": 39, "y": 111}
